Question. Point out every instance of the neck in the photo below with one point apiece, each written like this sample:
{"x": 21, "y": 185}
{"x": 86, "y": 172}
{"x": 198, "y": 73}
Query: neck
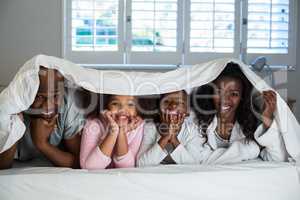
{"x": 224, "y": 127}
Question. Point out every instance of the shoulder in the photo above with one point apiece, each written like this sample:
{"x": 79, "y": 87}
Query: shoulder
{"x": 93, "y": 125}
{"x": 149, "y": 128}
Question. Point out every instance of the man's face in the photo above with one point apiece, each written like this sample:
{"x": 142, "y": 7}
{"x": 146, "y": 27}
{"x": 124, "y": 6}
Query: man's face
{"x": 49, "y": 96}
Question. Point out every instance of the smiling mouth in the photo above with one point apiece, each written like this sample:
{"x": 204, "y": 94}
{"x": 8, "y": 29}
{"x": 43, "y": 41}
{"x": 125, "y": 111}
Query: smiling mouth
{"x": 123, "y": 117}
{"x": 225, "y": 108}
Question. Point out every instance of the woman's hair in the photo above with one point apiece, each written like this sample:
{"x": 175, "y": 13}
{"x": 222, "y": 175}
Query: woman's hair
{"x": 204, "y": 106}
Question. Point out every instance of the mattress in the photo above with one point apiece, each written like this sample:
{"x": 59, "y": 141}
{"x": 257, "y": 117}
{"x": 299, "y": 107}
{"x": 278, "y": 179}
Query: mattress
{"x": 248, "y": 180}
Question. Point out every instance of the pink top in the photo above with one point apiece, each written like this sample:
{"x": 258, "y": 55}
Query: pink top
{"x": 91, "y": 156}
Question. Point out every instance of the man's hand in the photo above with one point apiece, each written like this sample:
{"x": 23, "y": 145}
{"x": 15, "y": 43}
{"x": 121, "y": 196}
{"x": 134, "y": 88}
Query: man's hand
{"x": 41, "y": 129}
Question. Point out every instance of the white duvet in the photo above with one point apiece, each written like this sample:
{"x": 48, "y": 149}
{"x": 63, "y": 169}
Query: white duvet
{"x": 255, "y": 180}
{"x": 249, "y": 180}
{"x": 20, "y": 93}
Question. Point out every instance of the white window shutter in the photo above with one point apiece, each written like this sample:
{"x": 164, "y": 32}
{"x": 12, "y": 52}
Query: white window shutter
{"x": 270, "y": 31}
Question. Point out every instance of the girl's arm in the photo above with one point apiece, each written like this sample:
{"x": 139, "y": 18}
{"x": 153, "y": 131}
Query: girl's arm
{"x": 91, "y": 155}
{"x": 190, "y": 151}
{"x": 128, "y": 159}
{"x": 150, "y": 152}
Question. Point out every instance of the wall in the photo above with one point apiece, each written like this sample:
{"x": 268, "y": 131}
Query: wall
{"x": 30, "y": 27}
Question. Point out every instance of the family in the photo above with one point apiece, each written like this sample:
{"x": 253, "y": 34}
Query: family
{"x": 215, "y": 123}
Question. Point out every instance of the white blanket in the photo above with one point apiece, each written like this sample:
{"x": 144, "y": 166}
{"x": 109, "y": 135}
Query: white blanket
{"x": 20, "y": 93}
{"x": 249, "y": 181}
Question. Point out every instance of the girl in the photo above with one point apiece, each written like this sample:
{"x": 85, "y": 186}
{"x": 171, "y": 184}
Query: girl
{"x": 175, "y": 139}
{"x": 113, "y": 138}
{"x": 228, "y": 117}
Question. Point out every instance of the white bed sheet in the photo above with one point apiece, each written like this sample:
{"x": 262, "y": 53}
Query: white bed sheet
{"x": 249, "y": 180}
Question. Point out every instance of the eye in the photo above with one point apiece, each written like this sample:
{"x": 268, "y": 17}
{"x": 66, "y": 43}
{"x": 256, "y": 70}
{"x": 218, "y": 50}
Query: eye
{"x": 181, "y": 103}
{"x": 131, "y": 104}
{"x": 235, "y": 94}
{"x": 39, "y": 98}
{"x": 217, "y": 91}
{"x": 114, "y": 103}
{"x": 166, "y": 102}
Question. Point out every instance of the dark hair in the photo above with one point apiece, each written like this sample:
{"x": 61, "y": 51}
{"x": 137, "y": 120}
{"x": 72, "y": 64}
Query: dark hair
{"x": 156, "y": 117}
{"x": 244, "y": 114}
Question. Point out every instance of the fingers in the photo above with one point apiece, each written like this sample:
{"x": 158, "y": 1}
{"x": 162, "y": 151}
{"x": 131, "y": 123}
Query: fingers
{"x": 109, "y": 117}
{"x": 270, "y": 100}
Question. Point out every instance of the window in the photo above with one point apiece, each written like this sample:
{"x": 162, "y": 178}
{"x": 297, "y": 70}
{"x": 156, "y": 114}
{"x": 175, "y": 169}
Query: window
{"x": 269, "y": 31}
{"x": 94, "y": 25}
{"x": 178, "y": 31}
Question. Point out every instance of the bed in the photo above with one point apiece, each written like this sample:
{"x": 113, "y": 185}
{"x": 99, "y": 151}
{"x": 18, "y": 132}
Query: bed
{"x": 249, "y": 180}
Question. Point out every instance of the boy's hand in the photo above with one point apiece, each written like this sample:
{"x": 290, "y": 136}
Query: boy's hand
{"x": 269, "y": 98}
{"x": 41, "y": 129}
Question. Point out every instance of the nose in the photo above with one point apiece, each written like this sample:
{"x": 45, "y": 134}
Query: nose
{"x": 225, "y": 99}
{"x": 49, "y": 104}
{"x": 172, "y": 105}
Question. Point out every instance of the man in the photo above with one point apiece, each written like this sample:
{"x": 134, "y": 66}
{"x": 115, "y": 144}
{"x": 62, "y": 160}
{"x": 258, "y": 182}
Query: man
{"x": 53, "y": 123}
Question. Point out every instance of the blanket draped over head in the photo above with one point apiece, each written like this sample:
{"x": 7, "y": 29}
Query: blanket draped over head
{"x": 21, "y": 92}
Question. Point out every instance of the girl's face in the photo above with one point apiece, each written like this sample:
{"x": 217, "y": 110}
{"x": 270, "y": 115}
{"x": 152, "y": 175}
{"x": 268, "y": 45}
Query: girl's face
{"x": 123, "y": 107}
{"x": 174, "y": 103}
{"x": 227, "y": 97}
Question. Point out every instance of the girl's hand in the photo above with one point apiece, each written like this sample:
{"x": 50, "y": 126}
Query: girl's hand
{"x": 175, "y": 123}
{"x": 112, "y": 124}
{"x": 269, "y": 98}
{"x": 135, "y": 121}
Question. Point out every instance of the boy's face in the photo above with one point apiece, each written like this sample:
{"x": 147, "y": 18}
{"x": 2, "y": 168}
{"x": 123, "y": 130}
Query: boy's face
{"x": 174, "y": 103}
{"x": 123, "y": 107}
{"x": 49, "y": 96}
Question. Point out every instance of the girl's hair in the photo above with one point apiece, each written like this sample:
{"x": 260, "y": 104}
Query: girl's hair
{"x": 205, "y": 106}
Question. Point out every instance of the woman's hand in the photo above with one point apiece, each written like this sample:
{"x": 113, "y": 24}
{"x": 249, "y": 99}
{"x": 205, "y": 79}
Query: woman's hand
{"x": 269, "y": 99}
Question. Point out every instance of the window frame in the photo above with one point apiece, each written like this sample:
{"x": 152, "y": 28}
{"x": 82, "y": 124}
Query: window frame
{"x": 183, "y": 56}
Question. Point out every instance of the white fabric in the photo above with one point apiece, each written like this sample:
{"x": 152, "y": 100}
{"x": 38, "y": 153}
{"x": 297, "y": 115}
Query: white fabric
{"x": 249, "y": 181}
{"x": 20, "y": 93}
{"x": 270, "y": 139}
{"x": 187, "y": 152}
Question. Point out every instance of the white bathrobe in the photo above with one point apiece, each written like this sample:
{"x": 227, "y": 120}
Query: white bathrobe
{"x": 194, "y": 148}
{"x": 271, "y": 140}
{"x": 187, "y": 152}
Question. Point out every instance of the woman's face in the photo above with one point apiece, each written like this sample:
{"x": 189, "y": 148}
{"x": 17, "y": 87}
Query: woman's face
{"x": 227, "y": 96}
{"x": 174, "y": 103}
{"x": 123, "y": 107}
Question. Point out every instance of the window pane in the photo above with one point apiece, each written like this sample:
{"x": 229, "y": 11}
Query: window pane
{"x": 212, "y": 26}
{"x": 95, "y": 25}
{"x": 268, "y": 26}
{"x": 154, "y": 25}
